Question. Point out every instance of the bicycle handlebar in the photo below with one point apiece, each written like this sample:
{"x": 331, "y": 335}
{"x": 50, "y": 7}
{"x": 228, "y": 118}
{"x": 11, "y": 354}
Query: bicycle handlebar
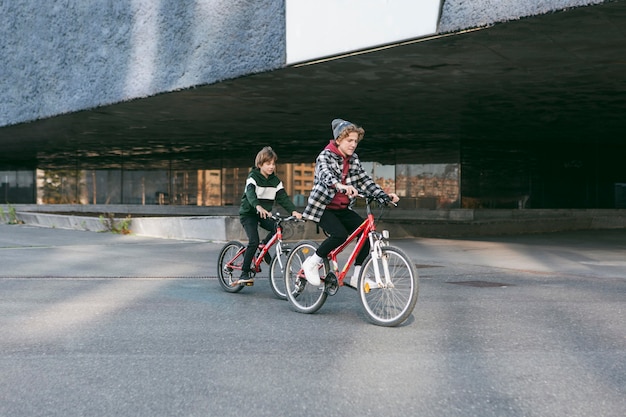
{"x": 278, "y": 218}
{"x": 371, "y": 197}
{"x": 382, "y": 199}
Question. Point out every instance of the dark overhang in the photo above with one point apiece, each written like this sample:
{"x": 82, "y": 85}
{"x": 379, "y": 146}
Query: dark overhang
{"x": 553, "y": 80}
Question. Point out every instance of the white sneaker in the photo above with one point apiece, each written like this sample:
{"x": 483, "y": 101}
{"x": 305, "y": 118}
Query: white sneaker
{"x": 354, "y": 280}
{"x": 311, "y": 271}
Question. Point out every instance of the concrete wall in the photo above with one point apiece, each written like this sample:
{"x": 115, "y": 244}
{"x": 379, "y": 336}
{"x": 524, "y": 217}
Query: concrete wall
{"x": 400, "y": 223}
{"x": 463, "y": 14}
{"x": 62, "y": 56}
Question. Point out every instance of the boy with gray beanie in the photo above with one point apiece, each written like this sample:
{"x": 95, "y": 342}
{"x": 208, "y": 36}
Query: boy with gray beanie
{"x": 337, "y": 180}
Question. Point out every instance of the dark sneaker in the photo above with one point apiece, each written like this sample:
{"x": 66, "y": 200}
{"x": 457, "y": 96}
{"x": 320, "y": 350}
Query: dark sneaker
{"x": 245, "y": 279}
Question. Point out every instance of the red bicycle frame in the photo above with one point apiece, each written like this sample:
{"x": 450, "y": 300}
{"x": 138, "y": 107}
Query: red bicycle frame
{"x": 257, "y": 259}
{"x": 364, "y": 229}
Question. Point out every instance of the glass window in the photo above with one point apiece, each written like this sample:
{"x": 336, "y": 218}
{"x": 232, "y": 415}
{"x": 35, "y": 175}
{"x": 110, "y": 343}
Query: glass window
{"x": 430, "y": 186}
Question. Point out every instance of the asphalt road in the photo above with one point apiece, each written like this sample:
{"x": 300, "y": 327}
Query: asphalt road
{"x": 97, "y": 324}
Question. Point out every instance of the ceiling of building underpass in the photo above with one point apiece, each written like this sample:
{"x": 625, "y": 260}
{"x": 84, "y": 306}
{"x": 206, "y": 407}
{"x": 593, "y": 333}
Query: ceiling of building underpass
{"x": 553, "y": 80}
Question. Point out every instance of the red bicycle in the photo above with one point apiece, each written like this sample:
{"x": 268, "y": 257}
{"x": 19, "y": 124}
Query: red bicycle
{"x": 388, "y": 284}
{"x": 230, "y": 260}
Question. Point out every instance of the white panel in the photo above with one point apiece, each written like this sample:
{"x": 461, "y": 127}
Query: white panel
{"x": 321, "y": 28}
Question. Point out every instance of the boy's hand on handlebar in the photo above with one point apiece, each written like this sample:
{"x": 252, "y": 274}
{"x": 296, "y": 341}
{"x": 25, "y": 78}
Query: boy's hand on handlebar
{"x": 389, "y": 198}
{"x": 264, "y": 214}
{"x": 297, "y": 215}
{"x": 349, "y": 190}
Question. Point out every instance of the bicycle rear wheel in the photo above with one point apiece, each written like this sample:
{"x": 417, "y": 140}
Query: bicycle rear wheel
{"x": 227, "y": 266}
{"x": 302, "y": 296}
{"x": 390, "y": 304}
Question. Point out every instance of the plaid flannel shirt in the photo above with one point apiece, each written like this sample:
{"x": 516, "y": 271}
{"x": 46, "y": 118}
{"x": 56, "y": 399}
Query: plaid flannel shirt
{"x": 328, "y": 171}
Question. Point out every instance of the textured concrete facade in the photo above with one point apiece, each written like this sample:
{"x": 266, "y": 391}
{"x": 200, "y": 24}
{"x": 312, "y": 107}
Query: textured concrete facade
{"x": 464, "y": 14}
{"x": 68, "y": 55}
{"x": 64, "y": 56}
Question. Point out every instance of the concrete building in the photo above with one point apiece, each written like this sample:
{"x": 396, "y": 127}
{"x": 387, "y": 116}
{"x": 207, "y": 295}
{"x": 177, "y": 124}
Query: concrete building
{"x": 503, "y": 104}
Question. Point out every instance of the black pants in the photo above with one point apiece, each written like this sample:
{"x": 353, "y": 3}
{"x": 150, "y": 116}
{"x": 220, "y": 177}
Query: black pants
{"x": 339, "y": 224}
{"x": 251, "y": 226}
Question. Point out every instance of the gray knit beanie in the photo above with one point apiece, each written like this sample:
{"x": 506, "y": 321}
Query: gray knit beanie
{"x": 338, "y": 126}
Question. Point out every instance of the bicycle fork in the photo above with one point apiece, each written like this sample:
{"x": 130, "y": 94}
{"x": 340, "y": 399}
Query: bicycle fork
{"x": 381, "y": 281}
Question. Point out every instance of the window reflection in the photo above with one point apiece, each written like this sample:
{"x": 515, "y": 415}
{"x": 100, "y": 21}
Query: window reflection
{"x": 17, "y": 186}
{"x": 432, "y": 186}
{"x": 383, "y": 175}
{"x": 419, "y": 185}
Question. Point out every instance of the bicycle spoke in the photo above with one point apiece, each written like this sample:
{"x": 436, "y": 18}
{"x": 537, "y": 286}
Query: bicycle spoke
{"x": 391, "y": 304}
{"x": 229, "y": 266}
{"x": 302, "y": 296}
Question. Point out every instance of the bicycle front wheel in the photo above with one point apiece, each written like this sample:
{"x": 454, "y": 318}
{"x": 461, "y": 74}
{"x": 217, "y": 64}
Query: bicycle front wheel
{"x": 302, "y": 296}
{"x": 277, "y": 268}
{"x": 277, "y": 278}
{"x": 229, "y": 264}
{"x": 392, "y": 301}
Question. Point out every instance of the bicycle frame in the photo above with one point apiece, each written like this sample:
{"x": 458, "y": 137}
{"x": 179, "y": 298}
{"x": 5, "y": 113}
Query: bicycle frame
{"x": 257, "y": 259}
{"x": 232, "y": 255}
{"x": 387, "y": 283}
{"x": 366, "y": 230}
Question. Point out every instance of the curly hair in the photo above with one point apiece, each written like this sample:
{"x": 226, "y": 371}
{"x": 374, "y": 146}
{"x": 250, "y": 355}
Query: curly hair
{"x": 349, "y": 129}
{"x": 265, "y": 155}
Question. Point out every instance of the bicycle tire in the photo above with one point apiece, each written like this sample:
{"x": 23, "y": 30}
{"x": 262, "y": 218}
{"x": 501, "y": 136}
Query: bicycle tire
{"x": 302, "y": 296}
{"x": 389, "y": 306}
{"x": 277, "y": 278}
{"x": 224, "y": 273}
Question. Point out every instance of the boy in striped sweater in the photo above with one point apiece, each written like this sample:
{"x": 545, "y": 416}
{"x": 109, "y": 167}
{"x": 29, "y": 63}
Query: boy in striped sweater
{"x": 263, "y": 188}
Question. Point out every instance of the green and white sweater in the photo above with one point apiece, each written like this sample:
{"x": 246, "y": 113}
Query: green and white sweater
{"x": 263, "y": 191}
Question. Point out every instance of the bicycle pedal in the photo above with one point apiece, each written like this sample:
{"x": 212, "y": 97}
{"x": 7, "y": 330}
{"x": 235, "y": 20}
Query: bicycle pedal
{"x": 246, "y": 282}
{"x": 299, "y": 287}
{"x": 331, "y": 285}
